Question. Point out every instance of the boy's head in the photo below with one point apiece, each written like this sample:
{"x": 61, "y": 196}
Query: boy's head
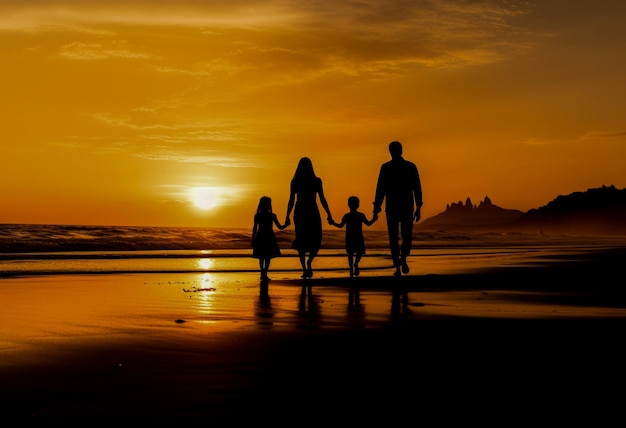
{"x": 353, "y": 202}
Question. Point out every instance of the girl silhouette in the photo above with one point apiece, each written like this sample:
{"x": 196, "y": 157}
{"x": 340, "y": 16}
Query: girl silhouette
{"x": 264, "y": 244}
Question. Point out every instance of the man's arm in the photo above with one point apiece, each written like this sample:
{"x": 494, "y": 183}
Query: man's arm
{"x": 417, "y": 195}
{"x": 379, "y": 195}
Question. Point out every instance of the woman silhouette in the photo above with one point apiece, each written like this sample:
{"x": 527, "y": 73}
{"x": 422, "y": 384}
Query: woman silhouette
{"x": 305, "y": 188}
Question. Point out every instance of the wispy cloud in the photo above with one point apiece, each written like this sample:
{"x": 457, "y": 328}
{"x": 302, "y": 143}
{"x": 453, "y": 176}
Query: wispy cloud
{"x": 587, "y": 137}
{"x": 430, "y": 33}
{"x": 601, "y": 135}
{"x": 97, "y": 51}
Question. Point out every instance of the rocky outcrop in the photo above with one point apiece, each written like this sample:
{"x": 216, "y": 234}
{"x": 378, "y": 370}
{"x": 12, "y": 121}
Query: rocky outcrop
{"x": 595, "y": 211}
{"x": 599, "y": 210}
{"x": 467, "y": 215}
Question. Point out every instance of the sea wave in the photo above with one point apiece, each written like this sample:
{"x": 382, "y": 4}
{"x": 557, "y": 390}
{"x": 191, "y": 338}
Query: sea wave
{"x": 51, "y": 238}
{"x": 29, "y": 249}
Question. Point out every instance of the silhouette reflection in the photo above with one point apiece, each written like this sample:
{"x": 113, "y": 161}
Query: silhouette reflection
{"x": 399, "y": 299}
{"x": 356, "y": 310}
{"x": 264, "y": 312}
{"x": 354, "y": 296}
{"x": 308, "y": 307}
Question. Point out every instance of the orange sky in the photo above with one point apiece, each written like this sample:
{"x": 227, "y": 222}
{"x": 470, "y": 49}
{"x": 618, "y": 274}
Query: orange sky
{"x": 114, "y": 112}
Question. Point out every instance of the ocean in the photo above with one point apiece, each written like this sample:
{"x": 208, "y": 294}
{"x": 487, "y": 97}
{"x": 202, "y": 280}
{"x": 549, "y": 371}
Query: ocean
{"x": 45, "y": 249}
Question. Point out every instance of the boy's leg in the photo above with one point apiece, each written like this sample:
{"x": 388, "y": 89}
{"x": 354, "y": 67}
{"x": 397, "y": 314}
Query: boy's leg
{"x": 351, "y": 264}
{"x": 357, "y": 259}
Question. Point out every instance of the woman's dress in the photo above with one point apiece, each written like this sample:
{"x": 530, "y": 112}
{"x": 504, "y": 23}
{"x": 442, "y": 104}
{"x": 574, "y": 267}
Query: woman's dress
{"x": 306, "y": 217}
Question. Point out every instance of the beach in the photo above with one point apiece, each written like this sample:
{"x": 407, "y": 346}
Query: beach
{"x": 539, "y": 336}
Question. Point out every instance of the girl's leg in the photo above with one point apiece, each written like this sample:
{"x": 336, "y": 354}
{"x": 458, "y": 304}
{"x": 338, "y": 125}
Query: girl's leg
{"x": 261, "y": 267}
{"x": 267, "y": 267}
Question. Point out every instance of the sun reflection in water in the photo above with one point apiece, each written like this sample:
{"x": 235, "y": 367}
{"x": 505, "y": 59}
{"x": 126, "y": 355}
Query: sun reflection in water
{"x": 205, "y": 294}
{"x": 205, "y": 263}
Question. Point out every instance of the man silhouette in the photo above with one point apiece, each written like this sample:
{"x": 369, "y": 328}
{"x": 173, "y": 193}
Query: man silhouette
{"x": 400, "y": 186}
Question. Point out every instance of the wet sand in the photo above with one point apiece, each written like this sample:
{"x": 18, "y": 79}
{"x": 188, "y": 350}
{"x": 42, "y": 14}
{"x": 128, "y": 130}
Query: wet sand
{"x": 537, "y": 342}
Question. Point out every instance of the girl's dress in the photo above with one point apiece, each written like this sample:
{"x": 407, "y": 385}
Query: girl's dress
{"x": 265, "y": 245}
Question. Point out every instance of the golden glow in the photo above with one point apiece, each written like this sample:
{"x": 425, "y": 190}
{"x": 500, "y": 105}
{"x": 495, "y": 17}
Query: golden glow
{"x": 205, "y": 264}
{"x": 112, "y": 111}
{"x": 203, "y": 198}
{"x": 205, "y": 295}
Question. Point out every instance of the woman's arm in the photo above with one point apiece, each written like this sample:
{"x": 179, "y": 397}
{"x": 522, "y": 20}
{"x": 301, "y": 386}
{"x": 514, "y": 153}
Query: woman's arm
{"x": 339, "y": 225}
{"x": 277, "y": 223}
{"x": 324, "y": 202}
{"x": 290, "y": 204}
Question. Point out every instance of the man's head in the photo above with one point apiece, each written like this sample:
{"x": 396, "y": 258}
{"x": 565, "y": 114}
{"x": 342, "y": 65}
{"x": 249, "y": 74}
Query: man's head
{"x": 395, "y": 149}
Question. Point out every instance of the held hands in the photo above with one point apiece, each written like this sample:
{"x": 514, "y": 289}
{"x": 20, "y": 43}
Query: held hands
{"x": 287, "y": 222}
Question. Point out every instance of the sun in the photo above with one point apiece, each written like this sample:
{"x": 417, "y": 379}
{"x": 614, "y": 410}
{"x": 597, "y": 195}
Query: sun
{"x": 203, "y": 198}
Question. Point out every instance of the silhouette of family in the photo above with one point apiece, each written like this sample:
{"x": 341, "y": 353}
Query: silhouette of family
{"x": 398, "y": 186}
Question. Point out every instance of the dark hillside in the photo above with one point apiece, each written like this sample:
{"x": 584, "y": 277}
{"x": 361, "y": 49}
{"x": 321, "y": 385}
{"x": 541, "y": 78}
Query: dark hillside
{"x": 599, "y": 210}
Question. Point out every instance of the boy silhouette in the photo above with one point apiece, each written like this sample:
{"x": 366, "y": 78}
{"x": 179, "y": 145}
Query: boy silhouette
{"x": 355, "y": 242}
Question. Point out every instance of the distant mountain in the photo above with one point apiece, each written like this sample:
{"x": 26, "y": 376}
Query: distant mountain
{"x": 469, "y": 216}
{"x": 595, "y": 211}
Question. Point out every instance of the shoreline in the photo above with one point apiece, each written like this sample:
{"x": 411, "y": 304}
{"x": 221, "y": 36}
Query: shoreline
{"x": 504, "y": 340}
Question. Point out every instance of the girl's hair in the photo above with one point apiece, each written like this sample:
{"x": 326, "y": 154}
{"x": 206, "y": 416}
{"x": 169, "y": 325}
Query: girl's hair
{"x": 265, "y": 204}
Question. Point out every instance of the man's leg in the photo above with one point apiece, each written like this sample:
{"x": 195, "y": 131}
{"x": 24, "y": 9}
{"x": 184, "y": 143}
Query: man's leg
{"x": 393, "y": 225}
{"x": 406, "y": 231}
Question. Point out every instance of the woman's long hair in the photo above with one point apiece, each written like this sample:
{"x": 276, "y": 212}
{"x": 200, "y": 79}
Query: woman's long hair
{"x": 304, "y": 170}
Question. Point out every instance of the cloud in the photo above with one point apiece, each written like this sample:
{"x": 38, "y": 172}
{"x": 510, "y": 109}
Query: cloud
{"x": 409, "y": 32}
{"x": 598, "y": 135}
{"x": 97, "y": 51}
{"x": 589, "y": 136}
{"x": 45, "y": 15}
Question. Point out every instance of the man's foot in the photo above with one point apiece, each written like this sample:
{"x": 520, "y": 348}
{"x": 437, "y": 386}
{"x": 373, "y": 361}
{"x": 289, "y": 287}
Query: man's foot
{"x": 356, "y": 270}
{"x": 309, "y": 273}
{"x": 405, "y": 267}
